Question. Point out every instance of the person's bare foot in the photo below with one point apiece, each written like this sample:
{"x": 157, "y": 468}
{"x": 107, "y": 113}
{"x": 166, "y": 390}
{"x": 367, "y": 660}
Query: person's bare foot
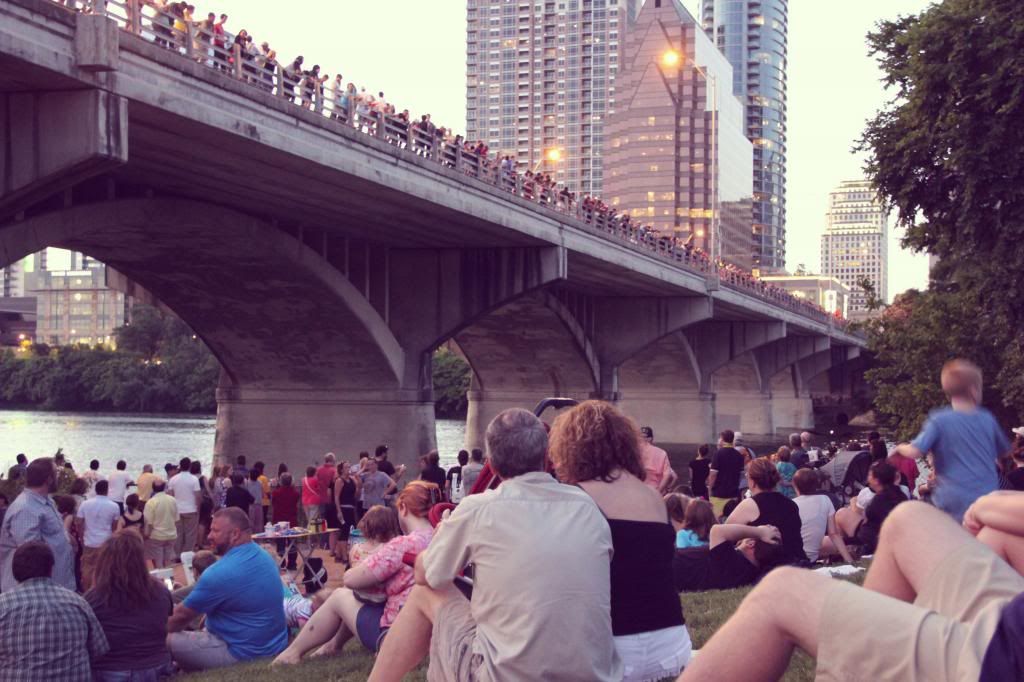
{"x": 287, "y": 657}
{"x": 329, "y": 648}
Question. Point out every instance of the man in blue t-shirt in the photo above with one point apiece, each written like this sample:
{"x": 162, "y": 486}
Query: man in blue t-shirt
{"x": 964, "y": 439}
{"x": 241, "y": 597}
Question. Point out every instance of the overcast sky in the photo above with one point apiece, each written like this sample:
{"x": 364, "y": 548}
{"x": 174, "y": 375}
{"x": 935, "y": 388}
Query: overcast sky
{"x": 415, "y": 52}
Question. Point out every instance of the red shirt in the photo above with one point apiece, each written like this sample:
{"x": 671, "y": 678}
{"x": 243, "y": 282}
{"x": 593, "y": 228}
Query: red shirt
{"x": 325, "y": 475}
{"x": 286, "y": 505}
{"x": 905, "y": 466}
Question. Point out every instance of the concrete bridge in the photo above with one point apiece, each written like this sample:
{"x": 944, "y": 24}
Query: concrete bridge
{"x": 324, "y": 263}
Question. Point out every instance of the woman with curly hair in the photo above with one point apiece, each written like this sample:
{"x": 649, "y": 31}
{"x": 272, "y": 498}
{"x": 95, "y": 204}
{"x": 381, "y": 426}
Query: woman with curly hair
{"x": 344, "y": 616}
{"x": 597, "y": 447}
{"x": 768, "y": 507}
{"x": 133, "y": 607}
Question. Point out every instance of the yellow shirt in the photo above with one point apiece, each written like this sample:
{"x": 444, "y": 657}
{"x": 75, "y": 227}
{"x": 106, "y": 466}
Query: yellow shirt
{"x": 144, "y": 485}
{"x": 265, "y": 482}
{"x": 161, "y": 514}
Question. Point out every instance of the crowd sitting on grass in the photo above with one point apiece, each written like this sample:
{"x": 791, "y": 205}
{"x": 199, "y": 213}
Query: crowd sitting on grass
{"x": 595, "y": 554}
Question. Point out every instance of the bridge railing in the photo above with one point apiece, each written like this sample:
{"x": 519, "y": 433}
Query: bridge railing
{"x": 237, "y": 57}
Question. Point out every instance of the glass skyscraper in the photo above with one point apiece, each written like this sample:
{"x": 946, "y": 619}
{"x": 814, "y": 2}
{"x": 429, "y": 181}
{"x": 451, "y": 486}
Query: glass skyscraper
{"x": 540, "y": 80}
{"x": 752, "y": 35}
{"x": 663, "y": 150}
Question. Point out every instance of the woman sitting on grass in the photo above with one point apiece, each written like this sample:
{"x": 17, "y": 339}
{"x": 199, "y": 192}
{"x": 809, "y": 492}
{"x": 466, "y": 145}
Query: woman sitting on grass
{"x": 133, "y": 608}
{"x": 675, "y": 505}
{"x": 344, "y": 616}
{"x": 596, "y": 447}
{"x": 766, "y": 507}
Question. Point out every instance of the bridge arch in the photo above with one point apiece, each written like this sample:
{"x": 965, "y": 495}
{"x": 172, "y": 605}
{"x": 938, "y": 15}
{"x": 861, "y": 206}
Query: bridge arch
{"x": 299, "y": 344}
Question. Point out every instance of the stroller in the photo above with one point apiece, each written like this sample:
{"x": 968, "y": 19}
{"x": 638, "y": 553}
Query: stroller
{"x": 854, "y": 478}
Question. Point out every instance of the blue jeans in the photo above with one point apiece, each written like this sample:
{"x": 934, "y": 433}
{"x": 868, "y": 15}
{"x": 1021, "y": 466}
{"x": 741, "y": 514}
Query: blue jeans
{"x": 142, "y": 675}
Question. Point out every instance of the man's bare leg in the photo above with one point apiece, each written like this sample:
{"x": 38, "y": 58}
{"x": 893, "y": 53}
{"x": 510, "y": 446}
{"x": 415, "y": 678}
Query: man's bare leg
{"x": 329, "y": 622}
{"x": 755, "y": 644}
{"x": 408, "y": 640}
{"x": 1009, "y": 547}
{"x": 914, "y": 540}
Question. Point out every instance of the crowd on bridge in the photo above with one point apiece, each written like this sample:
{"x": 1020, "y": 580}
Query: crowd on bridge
{"x": 588, "y": 506}
{"x": 178, "y": 26}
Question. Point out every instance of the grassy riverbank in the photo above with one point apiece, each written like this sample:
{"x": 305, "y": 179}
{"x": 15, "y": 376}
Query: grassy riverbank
{"x": 705, "y": 613}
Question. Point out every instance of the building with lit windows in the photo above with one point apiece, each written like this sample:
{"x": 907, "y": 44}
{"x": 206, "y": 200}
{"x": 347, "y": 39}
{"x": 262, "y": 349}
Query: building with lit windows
{"x": 12, "y": 277}
{"x": 856, "y": 242}
{"x": 753, "y": 36}
{"x": 540, "y": 76}
{"x": 676, "y": 147}
{"x": 76, "y": 306}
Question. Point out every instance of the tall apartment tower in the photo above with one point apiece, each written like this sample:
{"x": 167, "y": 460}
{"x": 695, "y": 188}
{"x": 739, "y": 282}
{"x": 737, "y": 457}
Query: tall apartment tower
{"x": 540, "y": 81}
{"x": 856, "y": 242}
{"x": 752, "y": 35}
{"x": 674, "y": 155}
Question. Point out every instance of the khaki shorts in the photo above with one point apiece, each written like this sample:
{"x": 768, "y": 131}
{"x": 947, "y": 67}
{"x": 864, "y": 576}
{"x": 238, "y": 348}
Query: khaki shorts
{"x": 941, "y": 637}
{"x": 451, "y": 643}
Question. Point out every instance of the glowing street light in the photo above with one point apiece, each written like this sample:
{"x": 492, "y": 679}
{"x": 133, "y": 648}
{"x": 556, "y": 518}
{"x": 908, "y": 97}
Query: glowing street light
{"x": 670, "y": 58}
{"x": 554, "y": 155}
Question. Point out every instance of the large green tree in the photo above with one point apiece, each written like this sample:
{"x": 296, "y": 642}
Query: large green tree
{"x": 947, "y": 154}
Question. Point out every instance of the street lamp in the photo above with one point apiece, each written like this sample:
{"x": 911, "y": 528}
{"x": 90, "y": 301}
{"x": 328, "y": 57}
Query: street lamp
{"x": 673, "y": 59}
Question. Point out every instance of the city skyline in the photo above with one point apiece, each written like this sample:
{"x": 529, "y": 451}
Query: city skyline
{"x": 420, "y": 64}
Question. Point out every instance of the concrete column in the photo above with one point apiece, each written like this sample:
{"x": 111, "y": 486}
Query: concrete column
{"x": 678, "y": 418}
{"x": 485, "y": 405}
{"x": 792, "y": 413}
{"x": 297, "y": 426}
{"x": 750, "y": 413}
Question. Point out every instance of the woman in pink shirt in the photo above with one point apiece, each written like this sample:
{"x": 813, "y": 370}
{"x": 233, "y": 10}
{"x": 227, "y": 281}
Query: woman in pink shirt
{"x": 343, "y": 615}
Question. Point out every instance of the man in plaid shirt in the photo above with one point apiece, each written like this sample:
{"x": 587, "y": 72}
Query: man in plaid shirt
{"x": 46, "y": 631}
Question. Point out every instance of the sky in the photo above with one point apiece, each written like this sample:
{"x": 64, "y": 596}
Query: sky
{"x": 414, "y": 51}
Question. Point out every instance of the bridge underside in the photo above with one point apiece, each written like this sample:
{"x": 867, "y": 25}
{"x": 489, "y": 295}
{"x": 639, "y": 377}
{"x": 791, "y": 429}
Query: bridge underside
{"x": 323, "y": 275}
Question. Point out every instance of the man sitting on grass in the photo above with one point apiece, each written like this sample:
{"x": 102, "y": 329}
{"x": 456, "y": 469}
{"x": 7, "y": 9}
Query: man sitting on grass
{"x": 952, "y": 607}
{"x": 241, "y": 597}
{"x": 733, "y": 558}
{"x": 541, "y": 551}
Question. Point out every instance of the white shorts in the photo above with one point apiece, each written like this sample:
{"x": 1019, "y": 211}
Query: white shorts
{"x": 655, "y": 655}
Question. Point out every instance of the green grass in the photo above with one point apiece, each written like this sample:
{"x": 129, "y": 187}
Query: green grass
{"x": 705, "y": 612}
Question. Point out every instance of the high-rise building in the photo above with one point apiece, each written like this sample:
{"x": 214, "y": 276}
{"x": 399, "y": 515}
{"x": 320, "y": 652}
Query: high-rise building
{"x": 752, "y": 35}
{"x": 856, "y": 242}
{"x": 674, "y": 155}
{"x": 540, "y": 81}
{"x": 76, "y": 306}
{"x": 12, "y": 277}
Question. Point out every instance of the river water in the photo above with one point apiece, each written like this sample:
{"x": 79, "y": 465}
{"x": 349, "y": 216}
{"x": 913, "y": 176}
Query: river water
{"x": 137, "y": 438}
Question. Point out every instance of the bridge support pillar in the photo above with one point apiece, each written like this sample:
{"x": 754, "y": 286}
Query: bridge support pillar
{"x": 298, "y": 426}
{"x": 678, "y": 418}
{"x": 484, "y": 405}
{"x": 746, "y": 413}
{"x": 791, "y": 414}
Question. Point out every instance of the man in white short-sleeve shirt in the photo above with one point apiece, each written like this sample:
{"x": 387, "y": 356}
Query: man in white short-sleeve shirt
{"x": 184, "y": 488}
{"x": 119, "y": 482}
{"x": 96, "y": 519}
{"x": 817, "y": 519}
{"x": 541, "y": 552}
